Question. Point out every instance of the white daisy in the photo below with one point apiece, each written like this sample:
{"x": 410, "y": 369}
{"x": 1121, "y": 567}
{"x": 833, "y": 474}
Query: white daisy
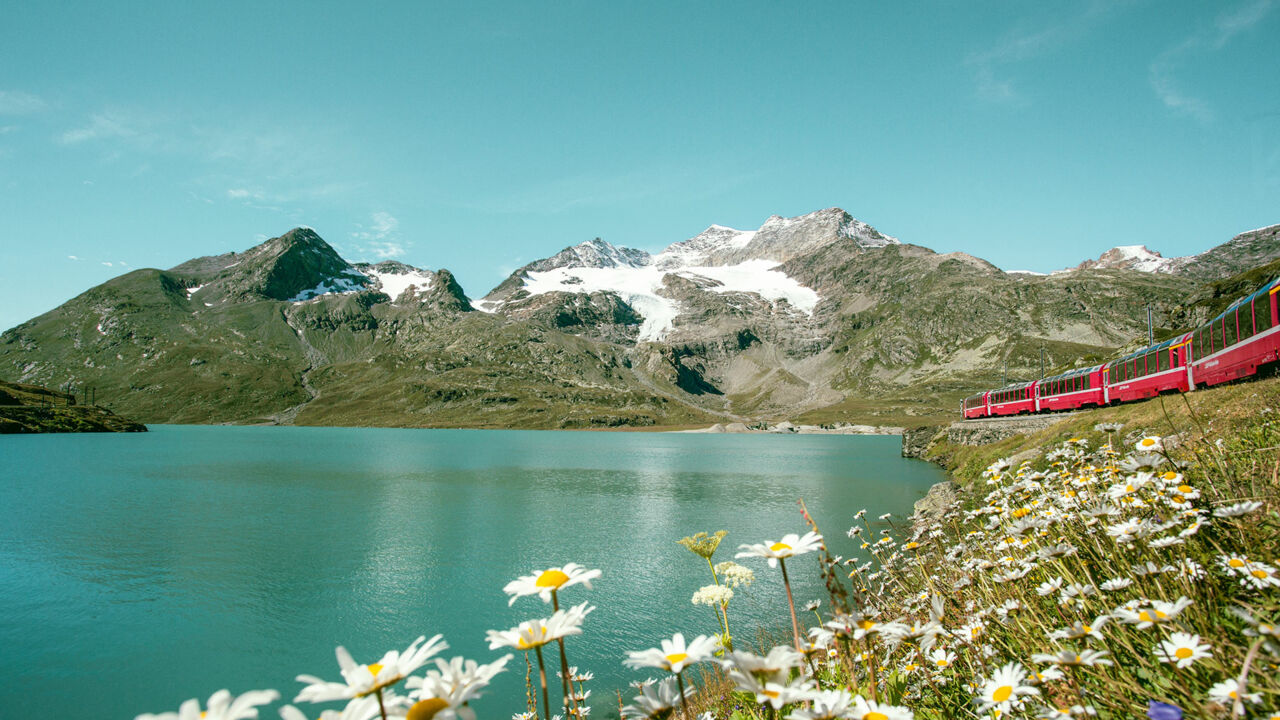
{"x": 675, "y": 655}
{"x": 790, "y": 545}
{"x": 1004, "y": 688}
{"x": 1228, "y": 691}
{"x": 362, "y": 680}
{"x": 656, "y": 700}
{"x": 1182, "y": 649}
{"x": 1238, "y": 509}
{"x": 532, "y": 634}
{"x": 222, "y": 706}
{"x": 864, "y": 709}
{"x": 548, "y": 581}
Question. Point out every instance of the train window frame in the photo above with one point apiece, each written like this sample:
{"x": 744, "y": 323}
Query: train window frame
{"x": 1262, "y": 309}
{"x": 1231, "y": 326}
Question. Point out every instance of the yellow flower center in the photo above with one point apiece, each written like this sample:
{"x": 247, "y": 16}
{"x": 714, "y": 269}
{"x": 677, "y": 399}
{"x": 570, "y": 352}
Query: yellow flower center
{"x": 526, "y": 644}
{"x": 1184, "y": 488}
{"x": 677, "y": 657}
{"x": 1182, "y": 653}
{"x": 942, "y": 663}
{"x": 873, "y": 715}
{"x": 1235, "y": 563}
{"x": 866, "y": 624}
{"x": 375, "y": 668}
{"x": 551, "y": 579}
{"x": 769, "y": 693}
{"x": 1002, "y": 693}
{"x": 1147, "y": 442}
{"x": 779, "y": 547}
{"x": 1260, "y": 574}
{"x": 1170, "y": 475}
{"x": 426, "y": 709}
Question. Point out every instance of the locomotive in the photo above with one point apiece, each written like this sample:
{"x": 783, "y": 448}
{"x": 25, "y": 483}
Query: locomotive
{"x": 1233, "y": 345}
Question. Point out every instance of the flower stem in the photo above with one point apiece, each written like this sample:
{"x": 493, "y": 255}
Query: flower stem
{"x": 795, "y": 625}
{"x": 542, "y": 678}
{"x": 381, "y": 707}
{"x": 684, "y": 703}
{"x": 564, "y": 665}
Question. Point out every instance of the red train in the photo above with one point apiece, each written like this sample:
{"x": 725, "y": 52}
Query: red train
{"x": 1233, "y": 345}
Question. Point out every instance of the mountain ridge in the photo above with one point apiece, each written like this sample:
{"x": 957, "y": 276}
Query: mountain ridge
{"x": 818, "y": 317}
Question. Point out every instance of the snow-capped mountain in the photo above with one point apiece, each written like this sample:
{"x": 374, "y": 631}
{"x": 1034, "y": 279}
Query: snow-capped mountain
{"x": 1132, "y": 257}
{"x": 1248, "y": 249}
{"x": 719, "y": 260}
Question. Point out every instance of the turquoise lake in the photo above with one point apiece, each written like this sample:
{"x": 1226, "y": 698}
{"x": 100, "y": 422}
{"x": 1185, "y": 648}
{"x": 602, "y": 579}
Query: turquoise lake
{"x": 137, "y": 571}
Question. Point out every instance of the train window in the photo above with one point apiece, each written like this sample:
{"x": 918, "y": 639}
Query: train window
{"x": 1162, "y": 360}
{"x": 1230, "y": 323}
{"x": 1246, "y": 321}
{"x": 1262, "y": 312}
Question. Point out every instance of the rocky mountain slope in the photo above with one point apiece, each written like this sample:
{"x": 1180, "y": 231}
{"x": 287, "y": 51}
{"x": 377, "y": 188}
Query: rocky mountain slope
{"x": 816, "y": 318}
{"x": 35, "y": 409}
{"x": 1244, "y": 251}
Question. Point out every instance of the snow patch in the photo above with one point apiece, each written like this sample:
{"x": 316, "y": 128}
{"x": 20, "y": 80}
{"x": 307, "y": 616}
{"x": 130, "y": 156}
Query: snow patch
{"x": 395, "y": 284}
{"x": 1025, "y": 272}
{"x": 332, "y": 286}
{"x": 193, "y": 291}
{"x": 639, "y": 286}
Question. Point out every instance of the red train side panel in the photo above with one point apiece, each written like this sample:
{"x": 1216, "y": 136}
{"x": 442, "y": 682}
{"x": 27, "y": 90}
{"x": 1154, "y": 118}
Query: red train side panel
{"x": 1239, "y": 340}
{"x": 1016, "y": 399}
{"x": 1150, "y": 371}
{"x": 1072, "y": 390}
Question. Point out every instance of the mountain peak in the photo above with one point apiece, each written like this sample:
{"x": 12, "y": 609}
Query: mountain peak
{"x": 1130, "y": 257}
{"x": 593, "y": 253}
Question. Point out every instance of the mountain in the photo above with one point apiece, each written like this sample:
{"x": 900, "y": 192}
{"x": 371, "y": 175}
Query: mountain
{"x": 1244, "y": 251}
{"x": 1131, "y": 257}
{"x": 816, "y": 318}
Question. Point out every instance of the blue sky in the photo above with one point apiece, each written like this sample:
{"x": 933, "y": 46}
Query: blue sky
{"x": 480, "y": 136}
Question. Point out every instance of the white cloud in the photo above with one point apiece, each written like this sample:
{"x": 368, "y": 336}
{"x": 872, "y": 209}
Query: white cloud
{"x": 1163, "y": 69}
{"x": 239, "y": 194}
{"x": 381, "y": 239}
{"x": 72, "y": 257}
{"x": 13, "y": 102}
{"x": 991, "y": 66}
{"x": 6, "y": 129}
{"x": 101, "y": 126}
{"x": 106, "y": 263}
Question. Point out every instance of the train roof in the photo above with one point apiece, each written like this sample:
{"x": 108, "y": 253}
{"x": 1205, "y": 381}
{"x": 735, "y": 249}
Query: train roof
{"x": 1247, "y": 298}
{"x": 1015, "y": 386}
{"x": 1073, "y": 373}
{"x": 1176, "y": 339}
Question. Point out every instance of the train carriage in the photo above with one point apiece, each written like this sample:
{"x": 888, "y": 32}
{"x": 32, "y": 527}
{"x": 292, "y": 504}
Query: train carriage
{"x": 1015, "y": 399}
{"x": 974, "y": 406}
{"x": 1084, "y": 387}
{"x": 1237, "y": 343}
{"x": 1234, "y": 344}
{"x": 1150, "y": 371}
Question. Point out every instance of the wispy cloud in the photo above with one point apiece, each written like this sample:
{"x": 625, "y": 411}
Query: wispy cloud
{"x": 13, "y": 102}
{"x": 992, "y": 66}
{"x": 103, "y": 126}
{"x": 380, "y": 239}
{"x": 1164, "y": 68}
{"x": 72, "y": 257}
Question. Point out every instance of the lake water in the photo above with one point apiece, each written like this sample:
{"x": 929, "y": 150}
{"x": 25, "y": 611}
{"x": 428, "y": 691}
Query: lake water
{"x": 140, "y": 570}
